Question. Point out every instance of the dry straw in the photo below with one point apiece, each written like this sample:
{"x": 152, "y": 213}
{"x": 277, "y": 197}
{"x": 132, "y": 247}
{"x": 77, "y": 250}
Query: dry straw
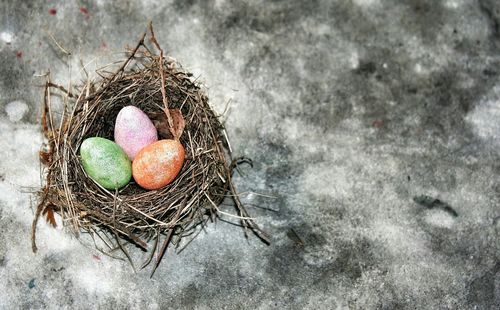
{"x": 159, "y": 87}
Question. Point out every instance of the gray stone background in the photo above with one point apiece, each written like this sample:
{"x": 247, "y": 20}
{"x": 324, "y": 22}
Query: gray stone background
{"x": 349, "y": 109}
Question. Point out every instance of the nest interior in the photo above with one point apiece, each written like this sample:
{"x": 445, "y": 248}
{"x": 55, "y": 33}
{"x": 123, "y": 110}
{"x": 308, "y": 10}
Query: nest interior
{"x": 159, "y": 87}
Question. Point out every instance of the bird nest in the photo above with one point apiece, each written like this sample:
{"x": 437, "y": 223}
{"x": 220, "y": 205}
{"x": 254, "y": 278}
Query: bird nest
{"x": 148, "y": 219}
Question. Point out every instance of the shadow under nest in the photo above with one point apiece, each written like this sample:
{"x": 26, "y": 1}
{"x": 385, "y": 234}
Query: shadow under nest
{"x": 159, "y": 87}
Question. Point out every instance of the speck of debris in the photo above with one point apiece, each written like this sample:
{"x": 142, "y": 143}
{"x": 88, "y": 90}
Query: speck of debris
{"x": 378, "y": 123}
{"x": 31, "y": 283}
{"x": 85, "y": 12}
{"x": 431, "y": 203}
{"x": 292, "y": 235}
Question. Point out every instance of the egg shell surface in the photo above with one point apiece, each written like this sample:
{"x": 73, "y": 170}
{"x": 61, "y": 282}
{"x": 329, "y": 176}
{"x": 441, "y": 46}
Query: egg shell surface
{"x": 134, "y": 130}
{"x": 105, "y": 162}
{"x": 157, "y": 165}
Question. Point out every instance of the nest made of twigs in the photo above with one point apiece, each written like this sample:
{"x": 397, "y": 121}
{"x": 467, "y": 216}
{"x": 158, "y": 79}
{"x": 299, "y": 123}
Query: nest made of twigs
{"x": 155, "y": 85}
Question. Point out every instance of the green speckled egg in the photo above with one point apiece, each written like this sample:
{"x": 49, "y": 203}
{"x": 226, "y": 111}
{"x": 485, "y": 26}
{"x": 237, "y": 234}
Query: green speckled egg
{"x": 105, "y": 162}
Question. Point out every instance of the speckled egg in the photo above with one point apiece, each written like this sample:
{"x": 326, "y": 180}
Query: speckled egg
{"x": 134, "y": 130}
{"x": 105, "y": 162}
{"x": 158, "y": 164}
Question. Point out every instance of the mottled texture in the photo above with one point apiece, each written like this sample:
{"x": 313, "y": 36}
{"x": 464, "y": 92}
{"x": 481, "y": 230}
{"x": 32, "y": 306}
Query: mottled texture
{"x": 158, "y": 164}
{"x": 348, "y": 108}
{"x": 105, "y": 162}
{"x": 134, "y": 130}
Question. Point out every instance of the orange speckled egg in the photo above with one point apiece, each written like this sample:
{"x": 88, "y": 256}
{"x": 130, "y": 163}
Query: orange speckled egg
{"x": 157, "y": 164}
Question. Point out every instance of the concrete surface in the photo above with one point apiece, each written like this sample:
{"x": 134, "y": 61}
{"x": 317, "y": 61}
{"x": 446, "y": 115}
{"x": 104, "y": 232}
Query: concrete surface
{"x": 349, "y": 108}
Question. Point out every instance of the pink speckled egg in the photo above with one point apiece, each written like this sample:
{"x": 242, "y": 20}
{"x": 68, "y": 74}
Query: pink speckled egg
{"x": 134, "y": 130}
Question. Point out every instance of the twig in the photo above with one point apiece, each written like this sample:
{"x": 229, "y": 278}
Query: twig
{"x": 123, "y": 66}
{"x": 65, "y": 51}
{"x": 167, "y": 240}
{"x": 116, "y": 235}
{"x": 60, "y": 87}
{"x": 163, "y": 87}
{"x": 153, "y": 251}
{"x": 256, "y": 230}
